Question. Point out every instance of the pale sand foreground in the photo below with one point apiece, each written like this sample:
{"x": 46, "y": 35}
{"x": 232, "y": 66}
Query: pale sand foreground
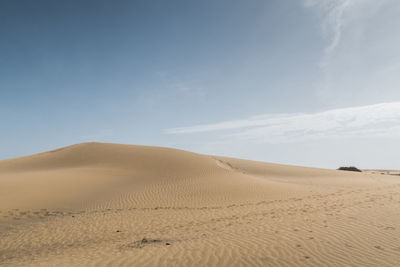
{"x": 93, "y": 204}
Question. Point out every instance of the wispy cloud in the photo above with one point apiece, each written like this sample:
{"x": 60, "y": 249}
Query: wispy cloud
{"x": 369, "y": 121}
{"x": 332, "y": 22}
{"x": 177, "y": 84}
{"x": 346, "y": 27}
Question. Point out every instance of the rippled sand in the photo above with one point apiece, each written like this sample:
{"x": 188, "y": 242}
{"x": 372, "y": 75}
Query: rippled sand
{"x": 97, "y": 204}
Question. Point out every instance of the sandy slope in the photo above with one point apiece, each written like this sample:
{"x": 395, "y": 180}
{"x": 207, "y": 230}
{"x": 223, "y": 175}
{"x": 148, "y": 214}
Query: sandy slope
{"x": 386, "y": 172}
{"x": 99, "y": 204}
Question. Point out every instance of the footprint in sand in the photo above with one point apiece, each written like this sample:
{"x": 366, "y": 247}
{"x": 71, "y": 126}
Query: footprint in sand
{"x": 390, "y": 228}
{"x": 147, "y": 241}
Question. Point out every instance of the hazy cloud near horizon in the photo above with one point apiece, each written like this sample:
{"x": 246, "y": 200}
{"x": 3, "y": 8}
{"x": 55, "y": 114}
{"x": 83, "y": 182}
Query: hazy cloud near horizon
{"x": 377, "y": 120}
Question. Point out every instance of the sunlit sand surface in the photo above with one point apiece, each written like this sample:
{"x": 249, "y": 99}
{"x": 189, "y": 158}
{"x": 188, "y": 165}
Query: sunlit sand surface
{"x": 96, "y": 204}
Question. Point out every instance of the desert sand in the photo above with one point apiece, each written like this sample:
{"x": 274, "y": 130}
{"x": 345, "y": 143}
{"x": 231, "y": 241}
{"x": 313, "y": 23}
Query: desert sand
{"x": 379, "y": 171}
{"x": 97, "y": 204}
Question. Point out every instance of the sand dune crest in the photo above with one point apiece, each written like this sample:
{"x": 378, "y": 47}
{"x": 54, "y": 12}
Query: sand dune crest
{"x": 97, "y": 204}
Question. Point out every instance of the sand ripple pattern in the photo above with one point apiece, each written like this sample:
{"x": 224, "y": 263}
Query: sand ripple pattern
{"x": 158, "y": 207}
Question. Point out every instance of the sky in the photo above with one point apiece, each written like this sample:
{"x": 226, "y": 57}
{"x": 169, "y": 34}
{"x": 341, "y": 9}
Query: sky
{"x": 306, "y": 82}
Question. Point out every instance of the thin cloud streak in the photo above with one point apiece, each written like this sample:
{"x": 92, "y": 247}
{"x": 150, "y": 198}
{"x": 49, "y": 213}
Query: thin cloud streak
{"x": 344, "y": 24}
{"x": 367, "y": 121}
{"x": 332, "y": 23}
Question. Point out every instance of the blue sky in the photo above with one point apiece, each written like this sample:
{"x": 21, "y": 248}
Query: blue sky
{"x": 308, "y": 82}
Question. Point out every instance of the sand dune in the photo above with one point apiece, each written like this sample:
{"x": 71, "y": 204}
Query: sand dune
{"x": 97, "y": 204}
{"x": 385, "y": 172}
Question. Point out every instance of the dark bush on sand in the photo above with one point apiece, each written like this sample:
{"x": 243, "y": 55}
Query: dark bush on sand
{"x": 351, "y": 168}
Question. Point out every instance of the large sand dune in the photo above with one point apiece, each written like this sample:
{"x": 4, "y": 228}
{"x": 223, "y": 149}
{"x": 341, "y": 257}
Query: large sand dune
{"x": 97, "y": 204}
